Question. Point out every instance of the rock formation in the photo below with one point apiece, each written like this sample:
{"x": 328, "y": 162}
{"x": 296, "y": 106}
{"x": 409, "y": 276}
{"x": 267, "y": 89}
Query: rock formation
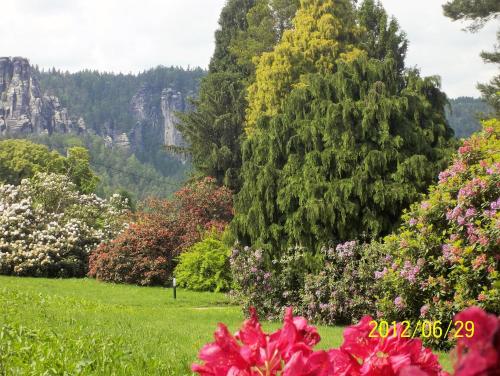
{"x": 23, "y": 109}
{"x": 155, "y": 117}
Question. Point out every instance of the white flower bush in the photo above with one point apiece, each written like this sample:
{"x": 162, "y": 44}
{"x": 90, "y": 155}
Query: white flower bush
{"x": 48, "y": 228}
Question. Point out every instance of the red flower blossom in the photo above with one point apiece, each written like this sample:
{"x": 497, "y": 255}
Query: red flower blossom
{"x": 479, "y": 355}
{"x": 289, "y": 351}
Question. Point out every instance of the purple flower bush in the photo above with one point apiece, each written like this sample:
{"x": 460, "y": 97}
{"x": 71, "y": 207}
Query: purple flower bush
{"x": 445, "y": 257}
{"x": 271, "y": 284}
{"x": 344, "y": 291}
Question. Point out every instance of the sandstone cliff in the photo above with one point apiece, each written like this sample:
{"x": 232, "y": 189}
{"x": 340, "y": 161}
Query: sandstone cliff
{"x": 23, "y": 109}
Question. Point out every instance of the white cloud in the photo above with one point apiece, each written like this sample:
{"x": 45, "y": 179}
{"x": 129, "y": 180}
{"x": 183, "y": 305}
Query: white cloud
{"x": 131, "y": 36}
{"x": 439, "y": 46}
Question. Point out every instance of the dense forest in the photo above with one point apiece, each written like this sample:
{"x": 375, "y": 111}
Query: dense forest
{"x": 464, "y": 114}
{"x": 106, "y": 103}
{"x": 103, "y": 99}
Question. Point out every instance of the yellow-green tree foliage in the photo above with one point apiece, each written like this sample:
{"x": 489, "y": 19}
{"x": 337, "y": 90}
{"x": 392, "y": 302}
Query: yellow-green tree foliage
{"x": 323, "y": 32}
{"x": 21, "y": 159}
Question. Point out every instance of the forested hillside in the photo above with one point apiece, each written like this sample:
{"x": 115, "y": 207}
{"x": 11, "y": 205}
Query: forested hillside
{"x": 125, "y": 121}
{"x": 103, "y": 99}
{"x": 464, "y": 114}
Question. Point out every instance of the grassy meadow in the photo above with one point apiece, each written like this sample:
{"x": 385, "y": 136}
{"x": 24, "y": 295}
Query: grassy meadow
{"x": 83, "y": 327}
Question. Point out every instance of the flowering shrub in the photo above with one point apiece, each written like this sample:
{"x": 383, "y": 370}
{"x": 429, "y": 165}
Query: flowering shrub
{"x": 344, "y": 290}
{"x": 289, "y": 351}
{"x": 446, "y": 254}
{"x": 145, "y": 253}
{"x": 271, "y": 284}
{"x": 47, "y": 228}
{"x": 205, "y": 266}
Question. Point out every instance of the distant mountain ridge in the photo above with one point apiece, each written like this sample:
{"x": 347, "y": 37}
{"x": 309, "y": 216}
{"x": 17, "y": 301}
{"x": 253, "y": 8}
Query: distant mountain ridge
{"x": 132, "y": 116}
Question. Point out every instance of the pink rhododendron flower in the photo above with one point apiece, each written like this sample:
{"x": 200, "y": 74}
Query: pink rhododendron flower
{"x": 289, "y": 351}
{"x": 424, "y": 310}
{"x": 480, "y": 354}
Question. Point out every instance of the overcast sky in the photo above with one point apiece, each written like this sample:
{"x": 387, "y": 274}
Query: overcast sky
{"x": 130, "y": 36}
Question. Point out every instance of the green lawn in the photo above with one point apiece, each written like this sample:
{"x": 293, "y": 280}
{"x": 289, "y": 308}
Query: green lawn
{"x": 83, "y": 327}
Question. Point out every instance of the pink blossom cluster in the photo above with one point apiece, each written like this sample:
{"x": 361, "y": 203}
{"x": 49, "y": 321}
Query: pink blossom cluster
{"x": 480, "y": 354}
{"x": 458, "y": 167}
{"x": 472, "y": 188}
{"x": 346, "y": 250}
{"x": 289, "y": 351}
{"x": 410, "y": 271}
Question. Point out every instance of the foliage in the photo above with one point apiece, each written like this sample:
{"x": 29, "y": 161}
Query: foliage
{"x": 142, "y": 254}
{"x": 464, "y": 113}
{"x": 213, "y": 129}
{"x": 48, "y": 228}
{"x": 479, "y": 12}
{"x": 323, "y": 32}
{"x": 381, "y": 36}
{"x": 290, "y": 351}
{"x": 446, "y": 252}
{"x": 348, "y": 153}
{"x": 266, "y": 22}
{"x": 20, "y": 159}
{"x": 491, "y": 90}
{"x": 271, "y": 283}
{"x": 205, "y": 266}
{"x": 344, "y": 290}
{"x": 145, "y": 252}
{"x": 119, "y": 170}
{"x": 215, "y": 126}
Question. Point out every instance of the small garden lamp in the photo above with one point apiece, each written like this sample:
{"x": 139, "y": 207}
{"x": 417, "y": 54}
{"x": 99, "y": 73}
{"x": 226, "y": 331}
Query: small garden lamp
{"x": 174, "y": 284}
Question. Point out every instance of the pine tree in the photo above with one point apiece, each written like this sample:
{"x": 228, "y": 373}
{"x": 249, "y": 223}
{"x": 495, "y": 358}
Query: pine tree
{"x": 382, "y": 37}
{"x": 324, "y": 30}
{"x": 232, "y": 20}
{"x": 215, "y": 128}
{"x": 347, "y": 150}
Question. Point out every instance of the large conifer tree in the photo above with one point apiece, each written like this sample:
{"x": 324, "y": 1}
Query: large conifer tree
{"x": 213, "y": 129}
{"x": 323, "y": 31}
{"x": 345, "y": 151}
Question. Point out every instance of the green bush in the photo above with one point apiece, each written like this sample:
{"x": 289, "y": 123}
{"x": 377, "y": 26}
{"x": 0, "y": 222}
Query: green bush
{"x": 344, "y": 291}
{"x": 268, "y": 284}
{"x": 445, "y": 255}
{"x": 205, "y": 266}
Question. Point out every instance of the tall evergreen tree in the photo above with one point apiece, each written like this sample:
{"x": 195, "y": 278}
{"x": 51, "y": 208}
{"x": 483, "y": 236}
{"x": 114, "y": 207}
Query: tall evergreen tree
{"x": 267, "y": 20}
{"x": 213, "y": 129}
{"x": 348, "y": 149}
{"x": 324, "y": 30}
{"x": 232, "y": 19}
{"x": 381, "y": 36}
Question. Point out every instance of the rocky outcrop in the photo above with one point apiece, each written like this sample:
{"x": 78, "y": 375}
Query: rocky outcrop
{"x": 156, "y": 122}
{"x": 171, "y": 102}
{"x": 23, "y": 109}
